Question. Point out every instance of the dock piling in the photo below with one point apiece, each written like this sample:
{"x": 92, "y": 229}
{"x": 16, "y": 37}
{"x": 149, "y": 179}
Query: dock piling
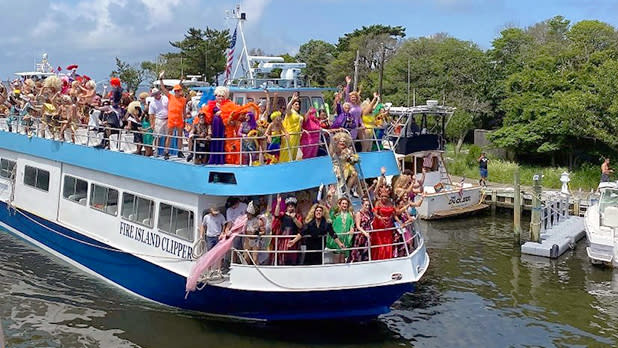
{"x": 517, "y": 207}
{"x": 535, "y": 223}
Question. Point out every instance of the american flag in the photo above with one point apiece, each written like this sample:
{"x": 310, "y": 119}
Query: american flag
{"x": 230, "y": 57}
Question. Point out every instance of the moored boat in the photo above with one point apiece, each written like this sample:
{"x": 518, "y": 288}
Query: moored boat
{"x": 601, "y": 222}
{"x": 419, "y": 146}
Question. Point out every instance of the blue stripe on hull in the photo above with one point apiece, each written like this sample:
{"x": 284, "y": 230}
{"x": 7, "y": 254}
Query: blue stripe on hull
{"x": 161, "y": 285}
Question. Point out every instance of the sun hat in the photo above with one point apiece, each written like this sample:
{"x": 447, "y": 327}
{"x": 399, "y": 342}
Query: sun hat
{"x": 177, "y": 88}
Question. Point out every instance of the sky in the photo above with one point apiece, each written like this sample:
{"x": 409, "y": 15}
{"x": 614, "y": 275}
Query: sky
{"x": 92, "y": 33}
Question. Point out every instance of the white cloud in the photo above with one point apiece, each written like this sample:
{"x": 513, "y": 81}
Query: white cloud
{"x": 92, "y": 32}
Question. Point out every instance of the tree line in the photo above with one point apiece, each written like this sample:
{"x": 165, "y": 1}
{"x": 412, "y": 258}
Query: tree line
{"x": 546, "y": 91}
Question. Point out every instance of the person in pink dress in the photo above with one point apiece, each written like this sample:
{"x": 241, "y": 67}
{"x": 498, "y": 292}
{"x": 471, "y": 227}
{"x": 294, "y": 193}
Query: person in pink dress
{"x": 311, "y": 134}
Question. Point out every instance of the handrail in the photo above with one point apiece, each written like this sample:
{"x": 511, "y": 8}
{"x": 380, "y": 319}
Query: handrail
{"x": 38, "y": 126}
{"x": 273, "y": 253}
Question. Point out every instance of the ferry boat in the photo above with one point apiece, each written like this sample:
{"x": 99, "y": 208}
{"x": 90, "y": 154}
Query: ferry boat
{"x": 601, "y": 223}
{"x": 417, "y": 137}
{"x": 134, "y": 221}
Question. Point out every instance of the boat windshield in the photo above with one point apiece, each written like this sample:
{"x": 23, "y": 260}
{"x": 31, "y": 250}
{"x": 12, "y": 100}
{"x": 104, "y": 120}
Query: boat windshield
{"x": 609, "y": 198}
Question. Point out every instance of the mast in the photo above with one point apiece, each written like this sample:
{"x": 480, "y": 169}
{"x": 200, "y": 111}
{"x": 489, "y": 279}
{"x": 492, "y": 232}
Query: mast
{"x": 240, "y": 17}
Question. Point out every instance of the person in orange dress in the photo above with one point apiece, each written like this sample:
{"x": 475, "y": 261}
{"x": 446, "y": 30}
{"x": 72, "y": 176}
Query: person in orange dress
{"x": 176, "y": 112}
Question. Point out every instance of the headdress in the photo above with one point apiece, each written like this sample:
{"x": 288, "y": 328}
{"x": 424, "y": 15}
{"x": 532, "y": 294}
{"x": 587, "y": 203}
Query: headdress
{"x": 290, "y": 200}
{"x": 274, "y": 115}
{"x": 224, "y": 91}
{"x": 251, "y": 208}
{"x": 114, "y": 82}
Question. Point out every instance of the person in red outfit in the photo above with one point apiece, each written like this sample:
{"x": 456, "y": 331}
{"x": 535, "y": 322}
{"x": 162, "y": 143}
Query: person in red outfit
{"x": 383, "y": 221}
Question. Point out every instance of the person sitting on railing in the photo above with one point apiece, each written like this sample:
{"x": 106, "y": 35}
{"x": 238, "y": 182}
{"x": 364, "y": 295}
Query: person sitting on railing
{"x": 344, "y": 161}
{"x": 292, "y": 123}
{"x": 286, "y": 223}
{"x": 212, "y": 110}
{"x": 363, "y": 220}
{"x": 343, "y": 224}
{"x": 110, "y": 121}
{"x": 369, "y": 122}
{"x": 383, "y": 222}
{"x": 199, "y": 140}
{"x": 311, "y": 134}
{"x": 314, "y": 230}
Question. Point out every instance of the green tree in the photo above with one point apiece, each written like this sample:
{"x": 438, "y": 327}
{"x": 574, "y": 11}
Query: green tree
{"x": 371, "y": 42}
{"x": 130, "y": 75}
{"x": 317, "y": 54}
{"x": 201, "y": 52}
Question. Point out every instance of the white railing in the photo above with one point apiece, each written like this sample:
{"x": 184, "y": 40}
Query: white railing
{"x": 270, "y": 255}
{"x": 117, "y": 139}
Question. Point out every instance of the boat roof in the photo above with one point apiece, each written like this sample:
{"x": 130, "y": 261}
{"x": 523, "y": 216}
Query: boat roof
{"x": 437, "y": 110}
{"x": 198, "y": 179}
{"x": 608, "y": 185}
{"x": 34, "y": 73}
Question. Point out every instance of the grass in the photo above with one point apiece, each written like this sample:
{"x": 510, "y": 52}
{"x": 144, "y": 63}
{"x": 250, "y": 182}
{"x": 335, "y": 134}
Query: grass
{"x": 501, "y": 171}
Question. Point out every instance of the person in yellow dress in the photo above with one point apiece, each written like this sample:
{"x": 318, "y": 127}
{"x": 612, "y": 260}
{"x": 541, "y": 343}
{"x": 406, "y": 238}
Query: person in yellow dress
{"x": 292, "y": 124}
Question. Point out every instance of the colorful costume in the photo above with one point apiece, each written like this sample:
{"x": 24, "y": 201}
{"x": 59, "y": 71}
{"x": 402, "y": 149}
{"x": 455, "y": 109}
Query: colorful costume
{"x": 342, "y": 224}
{"x": 218, "y": 131}
{"x": 382, "y": 240}
{"x": 230, "y": 113}
{"x": 360, "y": 241}
{"x": 289, "y": 145}
{"x": 309, "y": 141}
{"x": 347, "y": 120}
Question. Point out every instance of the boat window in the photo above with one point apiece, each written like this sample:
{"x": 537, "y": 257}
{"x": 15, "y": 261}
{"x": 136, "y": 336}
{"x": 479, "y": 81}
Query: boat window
{"x": 37, "y": 178}
{"x": 104, "y": 199}
{"x": 75, "y": 189}
{"x": 609, "y": 198}
{"x": 137, "y": 209}
{"x": 317, "y": 102}
{"x": 221, "y": 178}
{"x": 240, "y": 100}
{"x": 305, "y": 104}
{"x": 176, "y": 221}
{"x": 6, "y": 168}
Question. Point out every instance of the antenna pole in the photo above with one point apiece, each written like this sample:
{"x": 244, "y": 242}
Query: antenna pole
{"x": 356, "y": 69}
{"x": 408, "y": 82}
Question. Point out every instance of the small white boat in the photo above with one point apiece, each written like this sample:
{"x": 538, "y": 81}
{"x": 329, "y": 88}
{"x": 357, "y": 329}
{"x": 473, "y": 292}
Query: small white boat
{"x": 601, "y": 221}
{"x": 420, "y": 146}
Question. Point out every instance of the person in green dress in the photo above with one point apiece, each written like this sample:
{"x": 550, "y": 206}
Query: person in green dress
{"x": 343, "y": 225}
{"x": 147, "y": 137}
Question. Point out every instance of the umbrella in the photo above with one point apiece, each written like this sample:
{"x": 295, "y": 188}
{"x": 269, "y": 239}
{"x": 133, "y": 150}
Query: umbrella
{"x": 72, "y": 66}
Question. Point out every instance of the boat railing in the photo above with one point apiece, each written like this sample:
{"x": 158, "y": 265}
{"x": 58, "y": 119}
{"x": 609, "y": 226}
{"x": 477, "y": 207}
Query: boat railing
{"x": 124, "y": 140}
{"x": 272, "y": 249}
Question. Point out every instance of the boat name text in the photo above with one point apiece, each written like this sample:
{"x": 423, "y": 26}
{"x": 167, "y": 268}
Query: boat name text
{"x": 166, "y": 244}
{"x": 458, "y": 200}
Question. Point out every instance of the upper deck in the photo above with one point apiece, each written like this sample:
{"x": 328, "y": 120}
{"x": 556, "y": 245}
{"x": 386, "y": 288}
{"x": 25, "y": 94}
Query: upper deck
{"x": 177, "y": 174}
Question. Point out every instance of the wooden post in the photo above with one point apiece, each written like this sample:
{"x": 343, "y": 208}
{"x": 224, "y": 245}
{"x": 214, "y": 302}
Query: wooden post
{"x": 535, "y": 223}
{"x": 517, "y": 207}
{"x": 575, "y": 206}
{"x": 494, "y": 200}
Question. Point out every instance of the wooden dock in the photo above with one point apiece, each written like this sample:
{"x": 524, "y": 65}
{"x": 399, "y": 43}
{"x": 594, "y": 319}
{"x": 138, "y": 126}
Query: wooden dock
{"x": 503, "y": 197}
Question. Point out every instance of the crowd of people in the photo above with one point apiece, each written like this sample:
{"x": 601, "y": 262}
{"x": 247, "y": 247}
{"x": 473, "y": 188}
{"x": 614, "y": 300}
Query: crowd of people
{"x": 163, "y": 121}
{"x": 297, "y": 228}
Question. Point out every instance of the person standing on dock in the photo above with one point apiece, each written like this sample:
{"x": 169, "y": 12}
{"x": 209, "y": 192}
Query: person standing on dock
{"x": 606, "y": 170}
{"x": 483, "y": 160}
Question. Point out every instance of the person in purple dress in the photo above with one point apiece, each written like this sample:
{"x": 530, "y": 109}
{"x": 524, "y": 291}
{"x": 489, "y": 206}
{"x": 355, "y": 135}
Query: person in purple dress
{"x": 212, "y": 110}
{"x": 345, "y": 119}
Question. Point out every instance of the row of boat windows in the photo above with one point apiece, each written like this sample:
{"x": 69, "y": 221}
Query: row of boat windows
{"x": 140, "y": 210}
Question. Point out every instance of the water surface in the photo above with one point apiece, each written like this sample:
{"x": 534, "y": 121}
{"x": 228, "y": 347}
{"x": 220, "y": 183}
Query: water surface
{"x": 478, "y": 292}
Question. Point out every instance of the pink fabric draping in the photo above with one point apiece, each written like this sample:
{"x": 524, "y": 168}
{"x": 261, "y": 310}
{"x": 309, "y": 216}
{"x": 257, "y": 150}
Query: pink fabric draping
{"x": 215, "y": 254}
